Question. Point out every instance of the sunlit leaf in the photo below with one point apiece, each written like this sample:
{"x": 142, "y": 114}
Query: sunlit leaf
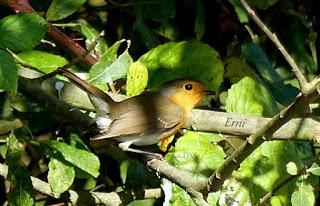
{"x": 314, "y": 169}
{"x": 110, "y": 68}
{"x": 43, "y": 61}
{"x": 194, "y": 152}
{"x": 77, "y": 157}
{"x": 60, "y": 9}
{"x": 22, "y": 32}
{"x": 304, "y": 196}
{"x": 60, "y": 176}
{"x": 292, "y": 168}
{"x": 137, "y": 78}
{"x": 186, "y": 59}
{"x": 251, "y": 97}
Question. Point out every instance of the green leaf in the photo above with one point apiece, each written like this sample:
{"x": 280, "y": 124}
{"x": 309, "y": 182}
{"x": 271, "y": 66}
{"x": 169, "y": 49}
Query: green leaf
{"x": 137, "y": 78}
{"x": 8, "y": 72}
{"x": 180, "y": 197}
{"x": 22, "y": 32}
{"x": 240, "y": 11}
{"x": 200, "y": 22}
{"x": 251, "y": 97}
{"x": 195, "y": 153}
{"x": 292, "y": 168}
{"x": 314, "y": 169}
{"x": 43, "y": 61}
{"x": 118, "y": 69}
{"x": 22, "y": 190}
{"x": 261, "y": 171}
{"x": 304, "y": 196}
{"x": 91, "y": 35}
{"x": 110, "y": 68}
{"x": 60, "y": 9}
{"x": 186, "y": 59}
{"x": 19, "y": 196}
{"x": 60, "y": 176}
{"x": 84, "y": 160}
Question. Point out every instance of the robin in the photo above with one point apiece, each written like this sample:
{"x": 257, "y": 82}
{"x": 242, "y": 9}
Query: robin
{"x": 146, "y": 119}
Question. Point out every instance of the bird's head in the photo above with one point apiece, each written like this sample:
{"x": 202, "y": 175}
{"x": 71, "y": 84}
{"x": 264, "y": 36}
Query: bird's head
{"x": 184, "y": 92}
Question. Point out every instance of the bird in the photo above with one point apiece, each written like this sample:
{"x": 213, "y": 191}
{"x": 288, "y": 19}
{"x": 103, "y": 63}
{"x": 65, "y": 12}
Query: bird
{"x": 149, "y": 118}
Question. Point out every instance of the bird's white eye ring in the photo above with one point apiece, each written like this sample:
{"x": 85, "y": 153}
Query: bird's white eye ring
{"x": 188, "y": 87}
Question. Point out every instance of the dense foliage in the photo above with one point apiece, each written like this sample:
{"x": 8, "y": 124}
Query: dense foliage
{"x": 146, "y": 43}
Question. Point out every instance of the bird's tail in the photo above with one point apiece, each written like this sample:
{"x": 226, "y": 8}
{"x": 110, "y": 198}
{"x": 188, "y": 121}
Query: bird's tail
{"x": 86, "y": 86}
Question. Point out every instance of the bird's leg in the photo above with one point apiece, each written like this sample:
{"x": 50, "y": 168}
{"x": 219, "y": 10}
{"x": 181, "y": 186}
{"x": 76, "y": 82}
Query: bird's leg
{"x": 125, "y": 146}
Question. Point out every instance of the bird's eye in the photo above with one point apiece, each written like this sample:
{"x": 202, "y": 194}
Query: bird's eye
{"x": 188, "y": 86}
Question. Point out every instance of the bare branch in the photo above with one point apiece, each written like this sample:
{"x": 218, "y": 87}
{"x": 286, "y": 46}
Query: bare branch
{"x": 305, "y": 129}
{"x": 175, "y": 175}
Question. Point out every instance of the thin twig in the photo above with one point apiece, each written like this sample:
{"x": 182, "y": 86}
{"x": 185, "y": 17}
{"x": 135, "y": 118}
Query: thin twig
{"x": 90, "y": 48}
{"x": 304, "y": 85}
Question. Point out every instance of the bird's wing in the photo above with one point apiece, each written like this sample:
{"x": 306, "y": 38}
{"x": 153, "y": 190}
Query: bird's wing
{"x": 137, "y": 121}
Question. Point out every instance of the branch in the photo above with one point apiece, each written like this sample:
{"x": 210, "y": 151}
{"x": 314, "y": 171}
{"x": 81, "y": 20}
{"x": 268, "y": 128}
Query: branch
{"x": 299, "y": 107}
{"x": 91, "y": 198}
{"x": 304, "y": 85}
{"x": 300, "y": 129}
{"x": 180, "y": 177}
{"x": 34, "y": 90}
